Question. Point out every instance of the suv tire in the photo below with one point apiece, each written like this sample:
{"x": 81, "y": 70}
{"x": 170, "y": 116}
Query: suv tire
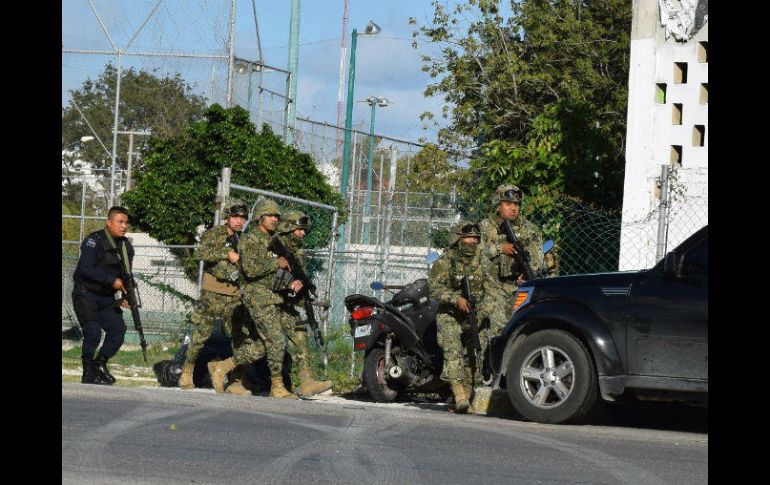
{"x": 551, "y": 377}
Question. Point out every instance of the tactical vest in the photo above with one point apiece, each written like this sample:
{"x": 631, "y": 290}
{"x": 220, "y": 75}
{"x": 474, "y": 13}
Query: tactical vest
{"x": 224, "y": 270}
{"x": 505, "y": 263}
{"x": 111, "y": 263}
{"x": 472, "y": 270}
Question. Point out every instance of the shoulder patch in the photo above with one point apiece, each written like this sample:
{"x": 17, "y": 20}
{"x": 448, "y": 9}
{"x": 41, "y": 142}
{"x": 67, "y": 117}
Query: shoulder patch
{"x": 90, "y": 242}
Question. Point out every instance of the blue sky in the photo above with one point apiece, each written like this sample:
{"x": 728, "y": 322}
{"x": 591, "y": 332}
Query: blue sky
{"x": 386, "y": 64}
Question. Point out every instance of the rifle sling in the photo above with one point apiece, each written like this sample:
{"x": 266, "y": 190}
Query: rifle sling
{"x": 123, "y": 251}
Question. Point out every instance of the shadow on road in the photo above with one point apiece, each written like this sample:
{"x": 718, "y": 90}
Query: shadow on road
{"x": 664, "y": 416}
{"x": 670, "y": 416}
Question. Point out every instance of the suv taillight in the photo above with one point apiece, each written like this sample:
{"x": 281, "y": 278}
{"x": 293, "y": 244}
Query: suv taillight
{"x": 361, "y": 313}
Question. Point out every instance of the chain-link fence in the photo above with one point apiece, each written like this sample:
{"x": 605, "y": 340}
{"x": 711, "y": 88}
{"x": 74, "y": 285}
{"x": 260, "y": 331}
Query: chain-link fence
{"x": 403, "y": 228}
{"x": 679, "y": 207}
{"x": 176, "y": 56}
{"x": 166, "y": 292}
{"x": 389, "y": 229}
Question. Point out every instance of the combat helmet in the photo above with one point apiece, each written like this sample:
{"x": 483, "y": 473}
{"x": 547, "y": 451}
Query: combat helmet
{"x": 294, "y": 220}
{"x": 508, "y": 192}
{"x": 462, "y": 229}
{"x": 235, "y": 207}
{"x": 266, "y": 207}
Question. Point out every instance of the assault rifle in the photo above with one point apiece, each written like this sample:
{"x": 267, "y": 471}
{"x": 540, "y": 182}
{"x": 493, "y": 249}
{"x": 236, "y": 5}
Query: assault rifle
{"x": 132, "y": 296}
{"x": 465, "y": 288}
{"x": 522, "y": 254}
{"x": 308, "y": 288}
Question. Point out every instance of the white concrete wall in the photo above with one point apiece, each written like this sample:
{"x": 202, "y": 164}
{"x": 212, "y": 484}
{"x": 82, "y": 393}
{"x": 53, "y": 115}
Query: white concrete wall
{"x": 650, "y": 135}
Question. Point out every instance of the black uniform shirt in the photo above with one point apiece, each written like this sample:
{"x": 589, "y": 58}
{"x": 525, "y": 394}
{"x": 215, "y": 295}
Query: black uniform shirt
{"x": 99, "y": 264}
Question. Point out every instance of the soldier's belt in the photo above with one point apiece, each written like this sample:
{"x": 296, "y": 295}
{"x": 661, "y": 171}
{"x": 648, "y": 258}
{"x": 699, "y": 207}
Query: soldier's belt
{"x": 211, "y": 283}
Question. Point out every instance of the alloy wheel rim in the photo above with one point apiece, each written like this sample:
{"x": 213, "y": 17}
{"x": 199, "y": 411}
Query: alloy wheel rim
{"x": 547, "y": 377}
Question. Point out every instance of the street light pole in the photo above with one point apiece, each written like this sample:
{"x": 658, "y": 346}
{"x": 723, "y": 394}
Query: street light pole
{"x": 348, "y": 116}
{"x": 373, "y": 102}
{"x": 371, "y": 29}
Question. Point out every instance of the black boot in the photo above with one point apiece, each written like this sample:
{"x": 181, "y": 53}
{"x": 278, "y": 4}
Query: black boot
{"x": 91, "y": 375}
{"x": 100, "y": 365}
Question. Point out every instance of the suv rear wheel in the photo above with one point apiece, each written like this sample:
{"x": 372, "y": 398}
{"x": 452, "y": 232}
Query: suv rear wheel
{"x": 551, "y": 377}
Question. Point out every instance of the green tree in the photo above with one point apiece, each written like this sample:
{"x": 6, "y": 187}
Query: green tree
{"x": 541, "y": 94}
{"x": 148, "y": 101}
{"x": 175, "y": 190}
{"x": 430, "y": 169}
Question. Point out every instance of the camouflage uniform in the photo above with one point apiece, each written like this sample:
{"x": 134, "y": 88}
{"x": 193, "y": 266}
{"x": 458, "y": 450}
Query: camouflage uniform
{"x": 493, "y": 237}
{"x": 259, "y": 266}
{"x": 291, "y": 322}
{"x": 454, "y": 333}
{"x": 219, "y": 295}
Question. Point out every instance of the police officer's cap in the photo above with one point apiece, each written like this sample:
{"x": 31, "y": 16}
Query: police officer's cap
{"x": 508, "y": 192}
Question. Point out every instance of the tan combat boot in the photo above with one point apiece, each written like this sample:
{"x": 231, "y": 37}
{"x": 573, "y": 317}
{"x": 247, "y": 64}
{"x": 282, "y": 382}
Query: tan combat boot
{"x": 278, "y": 390}
{"x": 471, "y": 399}
{"x": 310, "y": 387}
{"x": 218, "y": 371}
{"x": 481, "y": 399}
{"x": 237, "y": 388}
{"x": 461, "y": 398}
{"x": 186, "y": 379}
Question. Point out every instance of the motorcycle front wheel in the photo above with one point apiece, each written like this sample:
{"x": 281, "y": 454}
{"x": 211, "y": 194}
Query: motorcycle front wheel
{"x": 375, "y": 380}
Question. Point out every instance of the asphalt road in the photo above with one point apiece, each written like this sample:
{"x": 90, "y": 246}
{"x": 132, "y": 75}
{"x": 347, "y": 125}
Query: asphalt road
{"x": 159, "y": 435}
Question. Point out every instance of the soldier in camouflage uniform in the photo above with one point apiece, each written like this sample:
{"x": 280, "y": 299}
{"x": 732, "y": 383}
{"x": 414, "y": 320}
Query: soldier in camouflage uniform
{"x": 219, "y": 294}
{"x": 258, "y": 269}
{"x": 507, "y": 200}
{"x": 464, "y": 257}
{"x": 291, "y": 229}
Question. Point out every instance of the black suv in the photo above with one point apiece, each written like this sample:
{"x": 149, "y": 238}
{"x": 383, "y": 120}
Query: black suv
{"x": 639, "y": 334}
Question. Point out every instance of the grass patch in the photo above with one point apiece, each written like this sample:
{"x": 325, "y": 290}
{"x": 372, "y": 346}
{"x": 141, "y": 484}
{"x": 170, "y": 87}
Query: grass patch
{"x": 125, "y": 356}
{"x": 339, "y": 345}
{"x": 129, "y": 362}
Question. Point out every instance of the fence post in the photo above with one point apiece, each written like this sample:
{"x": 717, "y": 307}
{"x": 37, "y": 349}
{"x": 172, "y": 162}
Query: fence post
{"x": 430, "y": 223}
{"x": 330, "y": 270}
{"x": 389, "y": 210}
{"x": 406, "y": 203}
{"x": 662, "y": 214}
{"x": 83, "y": 186}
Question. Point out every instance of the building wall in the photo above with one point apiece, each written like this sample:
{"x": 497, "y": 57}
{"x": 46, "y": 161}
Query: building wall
{"x": 652, "y": 132}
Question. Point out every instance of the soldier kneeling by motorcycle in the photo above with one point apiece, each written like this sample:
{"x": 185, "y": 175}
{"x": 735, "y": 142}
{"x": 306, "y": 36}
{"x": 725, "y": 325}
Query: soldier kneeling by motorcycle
{"x": 459, "y": 312}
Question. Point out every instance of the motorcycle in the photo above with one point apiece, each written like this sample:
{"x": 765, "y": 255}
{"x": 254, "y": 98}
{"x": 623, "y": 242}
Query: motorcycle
{"x": 398, "y": 338}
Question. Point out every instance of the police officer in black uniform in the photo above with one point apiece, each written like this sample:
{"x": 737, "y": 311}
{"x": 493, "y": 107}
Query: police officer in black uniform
{"x": 105, "y": 255}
